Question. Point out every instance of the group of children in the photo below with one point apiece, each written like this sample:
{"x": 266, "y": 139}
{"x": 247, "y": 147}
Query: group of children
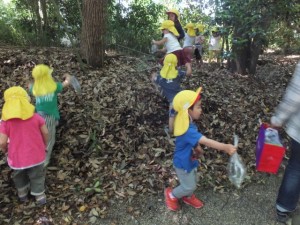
{"x": 193, "y": 41}
{"x": 184, "y": 110}
{"x": 27, "y": 132}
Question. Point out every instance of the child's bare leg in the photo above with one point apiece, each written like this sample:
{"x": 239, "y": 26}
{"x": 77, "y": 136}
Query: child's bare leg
{"x": 188, "y": 67}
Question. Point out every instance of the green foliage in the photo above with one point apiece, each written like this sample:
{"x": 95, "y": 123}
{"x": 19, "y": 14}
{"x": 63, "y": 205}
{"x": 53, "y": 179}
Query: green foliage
{"x": 134, "y": 26}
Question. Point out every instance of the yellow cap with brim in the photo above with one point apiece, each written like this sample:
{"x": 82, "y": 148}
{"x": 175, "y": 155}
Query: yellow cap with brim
{"x": 200, "y": 27}
{"x": 181, "y": 103}
{"x": 190, "y": 29}
{"x": 169, "y": 71}
{"x": 17, "y": 105}
{"x": 169, "y": 25}
{"x": 215, "y": 29}
{"x": 174, "y": 11}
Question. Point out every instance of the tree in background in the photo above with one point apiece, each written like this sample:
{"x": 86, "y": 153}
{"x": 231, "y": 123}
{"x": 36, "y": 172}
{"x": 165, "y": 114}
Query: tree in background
{"x": 248, "y": 23}
{"x": 93, "y": 31}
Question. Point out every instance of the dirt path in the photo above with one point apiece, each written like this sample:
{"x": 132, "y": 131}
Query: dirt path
{"x": 253, "y": 205}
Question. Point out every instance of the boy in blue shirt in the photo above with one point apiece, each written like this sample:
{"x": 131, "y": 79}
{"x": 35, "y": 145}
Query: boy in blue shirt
{"x": 187, "y": 104}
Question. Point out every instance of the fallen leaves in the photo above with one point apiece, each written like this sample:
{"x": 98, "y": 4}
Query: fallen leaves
{"x": 110, "y": 141}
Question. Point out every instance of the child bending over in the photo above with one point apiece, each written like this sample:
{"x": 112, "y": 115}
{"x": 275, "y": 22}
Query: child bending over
{"x": 171, "y": 45}
{"x": 168, "y": 82}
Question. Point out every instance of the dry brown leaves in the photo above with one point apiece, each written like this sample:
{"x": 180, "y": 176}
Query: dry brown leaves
{"x": 110, "y": 141}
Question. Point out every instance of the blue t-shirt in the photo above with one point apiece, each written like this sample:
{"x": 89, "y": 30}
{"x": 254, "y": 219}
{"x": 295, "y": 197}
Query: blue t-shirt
{"x": 170, "y": 87}
{"x": 184, "y": 149}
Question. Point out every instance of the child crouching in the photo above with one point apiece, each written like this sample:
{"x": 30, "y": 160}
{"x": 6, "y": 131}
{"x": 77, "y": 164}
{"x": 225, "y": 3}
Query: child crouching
{"x": 187, "y": 104}
{"x": 27, "y": 135}
{"x": 168, "y": 82}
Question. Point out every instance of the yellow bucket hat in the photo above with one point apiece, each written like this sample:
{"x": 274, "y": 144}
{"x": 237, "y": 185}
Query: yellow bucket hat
{"x": 16, "y": 105}
{"x": 169, "y": 25}
{"x": 169, "y": 70}
{"x": 181, "y": 103}
{"x": 214, "y": 29}
{"x": 200, "y": 27}
{"x": 190, "y": 29}
{"x": 175, "y": 11}
{"x": 43, "y": 80}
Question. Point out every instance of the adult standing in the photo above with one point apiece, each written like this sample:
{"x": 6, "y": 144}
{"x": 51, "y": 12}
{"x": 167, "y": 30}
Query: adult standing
{"x": 288, "y": 113}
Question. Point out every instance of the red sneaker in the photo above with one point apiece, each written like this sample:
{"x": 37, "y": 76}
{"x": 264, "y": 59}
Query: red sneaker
{"x": 171, "y": 203}
{"x": 193, "y": 201}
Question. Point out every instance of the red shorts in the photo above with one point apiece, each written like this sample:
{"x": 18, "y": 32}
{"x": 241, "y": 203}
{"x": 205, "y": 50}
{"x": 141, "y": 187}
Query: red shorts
{"x": 188, "y": 52}
{"x": 181, "y": 57}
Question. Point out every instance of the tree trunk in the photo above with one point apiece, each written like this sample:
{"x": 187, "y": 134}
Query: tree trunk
{"x": 256, "y": 47}
{"x": 93, "y": 32}
{"x": 35, "y": 9}
{"x": 45, "y": 15}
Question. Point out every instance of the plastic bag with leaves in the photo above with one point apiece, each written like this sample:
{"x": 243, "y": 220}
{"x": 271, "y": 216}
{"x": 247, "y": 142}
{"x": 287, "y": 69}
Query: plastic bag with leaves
{"x": 236, "y": 168}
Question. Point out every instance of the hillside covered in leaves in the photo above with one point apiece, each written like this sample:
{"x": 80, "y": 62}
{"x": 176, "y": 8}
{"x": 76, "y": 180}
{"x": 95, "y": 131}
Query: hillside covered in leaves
{"x": 111, "y": 145}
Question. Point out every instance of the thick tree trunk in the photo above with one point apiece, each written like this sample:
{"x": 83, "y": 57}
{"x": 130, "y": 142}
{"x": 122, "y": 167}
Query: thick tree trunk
{"x": 93, "y": 31}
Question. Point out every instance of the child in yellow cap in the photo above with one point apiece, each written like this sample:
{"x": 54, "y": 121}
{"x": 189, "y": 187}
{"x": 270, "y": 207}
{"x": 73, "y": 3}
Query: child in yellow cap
{"x": 174, "y": 15}
{"x": 168, "y": 82}
{"x": 187, "y": 104}
{"x": 199, "y": 42}
{"x": 214, "y": 45}
{"x": 189, "y": 40}
{"x": 45, "y": 90}
{"x": 171, "y": 45}
{"x": 28, "y": 136}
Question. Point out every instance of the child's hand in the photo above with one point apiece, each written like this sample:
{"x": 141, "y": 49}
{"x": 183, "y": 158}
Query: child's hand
{"x": 197, "y": 152}
{"x": 67, "y": 79}
{"x": 230, "y": 149}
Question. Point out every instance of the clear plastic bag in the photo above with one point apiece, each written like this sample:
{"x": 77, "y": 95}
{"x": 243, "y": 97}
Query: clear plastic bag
{"x": 75, "y": 84}
{"x": 236, "y": 168}
{"x": 153, "y": 48}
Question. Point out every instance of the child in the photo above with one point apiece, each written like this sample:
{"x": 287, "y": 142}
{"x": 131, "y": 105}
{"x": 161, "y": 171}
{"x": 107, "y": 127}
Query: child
{"x": 27, "y": 135}
{"x": 45, "y": 90}
{"x": 172, "y": 45}
{"x": 173, "y": 15}
{"x": 214, "y": 46}
{"x": 199, "y": 41}
{"x": 189, "y": 40}
{"x": 168, "y": 81}
{"x": 187, "y": 104}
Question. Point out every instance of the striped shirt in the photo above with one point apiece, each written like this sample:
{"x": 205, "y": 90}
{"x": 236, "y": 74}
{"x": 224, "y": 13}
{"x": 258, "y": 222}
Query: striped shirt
{"x": 288, "y": 111}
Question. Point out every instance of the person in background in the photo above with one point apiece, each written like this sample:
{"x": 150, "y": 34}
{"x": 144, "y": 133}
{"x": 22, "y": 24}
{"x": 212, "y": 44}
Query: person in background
{"x": 171, "y": 45}
{"x": 187, "y": 105}
{"x": 199, "y": 42}
{"x": 168, "y": 82}
{"x": 189, "y": 40}
{"x": 27, "y": 135}
{"x": 287, "y": 114}
{"x": 173, "y": 15}
{"x": 214, "y": 45}
{"x": 45, "y": 91}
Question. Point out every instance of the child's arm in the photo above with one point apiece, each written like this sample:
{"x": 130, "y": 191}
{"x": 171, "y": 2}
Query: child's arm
{"x": 45, "y": 133}
{"x": 228, "y": 148}
{"x": 3, "y": 142}
{"x": 67, "y": 80}
{"x": 160, "y": 42}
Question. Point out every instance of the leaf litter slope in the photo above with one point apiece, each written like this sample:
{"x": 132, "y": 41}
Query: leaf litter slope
{"x": 110, "y": 141}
